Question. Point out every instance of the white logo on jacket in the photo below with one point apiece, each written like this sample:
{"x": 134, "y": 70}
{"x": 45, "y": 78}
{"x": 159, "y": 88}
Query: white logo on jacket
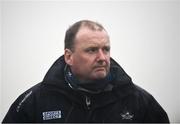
{"x": 49, "y": 115}
{"x": 127, "y": 116}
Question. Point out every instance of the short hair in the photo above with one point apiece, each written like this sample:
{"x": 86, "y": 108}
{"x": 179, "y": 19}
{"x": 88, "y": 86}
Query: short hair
{"x": 72, "y": 31}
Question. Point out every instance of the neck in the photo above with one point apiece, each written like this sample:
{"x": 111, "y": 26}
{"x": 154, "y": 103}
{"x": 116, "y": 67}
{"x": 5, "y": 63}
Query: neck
{"x": 88, "y": 85}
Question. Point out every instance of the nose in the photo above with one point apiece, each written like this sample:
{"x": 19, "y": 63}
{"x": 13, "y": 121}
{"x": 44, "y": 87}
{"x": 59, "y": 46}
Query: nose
{"x": 101, "y": 55}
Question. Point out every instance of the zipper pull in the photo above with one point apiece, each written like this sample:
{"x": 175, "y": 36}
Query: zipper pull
{"x": 88, "y": 102}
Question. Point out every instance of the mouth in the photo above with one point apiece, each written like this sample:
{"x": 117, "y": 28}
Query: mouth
{"x": 100, "y": 68}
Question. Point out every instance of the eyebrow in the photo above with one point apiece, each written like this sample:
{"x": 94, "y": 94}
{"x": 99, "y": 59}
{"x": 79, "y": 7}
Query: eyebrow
{"x": 96, "y": 44}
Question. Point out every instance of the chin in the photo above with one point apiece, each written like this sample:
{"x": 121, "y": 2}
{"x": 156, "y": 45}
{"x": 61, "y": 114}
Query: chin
{"x": 99, "y": 76}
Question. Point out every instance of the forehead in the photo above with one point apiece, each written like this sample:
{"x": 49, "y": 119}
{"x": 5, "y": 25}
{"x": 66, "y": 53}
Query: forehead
{"x": 86, "y": 35}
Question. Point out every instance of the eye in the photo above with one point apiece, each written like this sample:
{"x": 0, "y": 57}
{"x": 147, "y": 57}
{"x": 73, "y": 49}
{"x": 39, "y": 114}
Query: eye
{"x": 92, "y": 50}
{"x": 106, "y": 49}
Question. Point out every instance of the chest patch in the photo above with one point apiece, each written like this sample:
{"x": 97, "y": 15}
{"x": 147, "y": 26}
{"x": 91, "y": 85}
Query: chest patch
{"x": 127, "y": 116}
{"x": 49, "y": 115}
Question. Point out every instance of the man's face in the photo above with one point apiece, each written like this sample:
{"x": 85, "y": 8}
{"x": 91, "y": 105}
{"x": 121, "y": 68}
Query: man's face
{"x": 90, "y": 59}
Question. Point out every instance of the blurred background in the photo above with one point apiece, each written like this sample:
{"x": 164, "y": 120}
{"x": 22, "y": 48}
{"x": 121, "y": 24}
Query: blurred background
{"x": 145, "y": 41}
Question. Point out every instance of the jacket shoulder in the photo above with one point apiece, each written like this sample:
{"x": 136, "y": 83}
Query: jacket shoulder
{"x": 25, "y": 102}
{"x": 142, "y": 93}
{"x": 154, "y": 111}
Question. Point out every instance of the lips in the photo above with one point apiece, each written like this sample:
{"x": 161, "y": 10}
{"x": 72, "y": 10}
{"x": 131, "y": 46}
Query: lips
{"x": 100, "y": 68}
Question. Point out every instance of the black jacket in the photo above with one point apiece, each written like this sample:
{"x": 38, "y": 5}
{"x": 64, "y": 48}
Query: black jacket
{"x": 53, "y": 100}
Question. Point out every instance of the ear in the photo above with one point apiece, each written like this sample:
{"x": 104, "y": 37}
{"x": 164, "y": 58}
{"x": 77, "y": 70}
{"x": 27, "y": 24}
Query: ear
{"x": 68, "y": 56}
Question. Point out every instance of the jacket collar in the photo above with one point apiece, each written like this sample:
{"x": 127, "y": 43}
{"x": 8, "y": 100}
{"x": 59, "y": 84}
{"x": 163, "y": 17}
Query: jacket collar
{"x": 120, "y": 86}
{"x": 56, "y": 71}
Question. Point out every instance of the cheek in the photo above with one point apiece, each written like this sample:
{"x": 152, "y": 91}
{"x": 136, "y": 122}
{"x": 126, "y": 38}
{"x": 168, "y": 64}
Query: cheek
{"x": 82, "y": 61}
{"x": 82, "y": 67}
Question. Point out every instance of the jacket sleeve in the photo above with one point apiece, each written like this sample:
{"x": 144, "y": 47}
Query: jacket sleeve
{"x": 21, "y": 110}
{"x": 155, "y": 113}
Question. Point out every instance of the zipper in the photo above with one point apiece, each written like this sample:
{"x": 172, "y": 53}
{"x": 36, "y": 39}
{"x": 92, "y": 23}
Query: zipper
{"x": 89, "y": 109}
{"x": 88, "y": 102}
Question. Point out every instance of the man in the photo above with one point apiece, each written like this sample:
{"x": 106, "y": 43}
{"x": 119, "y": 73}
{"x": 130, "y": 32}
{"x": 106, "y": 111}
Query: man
{"x": 86, "y": 85}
